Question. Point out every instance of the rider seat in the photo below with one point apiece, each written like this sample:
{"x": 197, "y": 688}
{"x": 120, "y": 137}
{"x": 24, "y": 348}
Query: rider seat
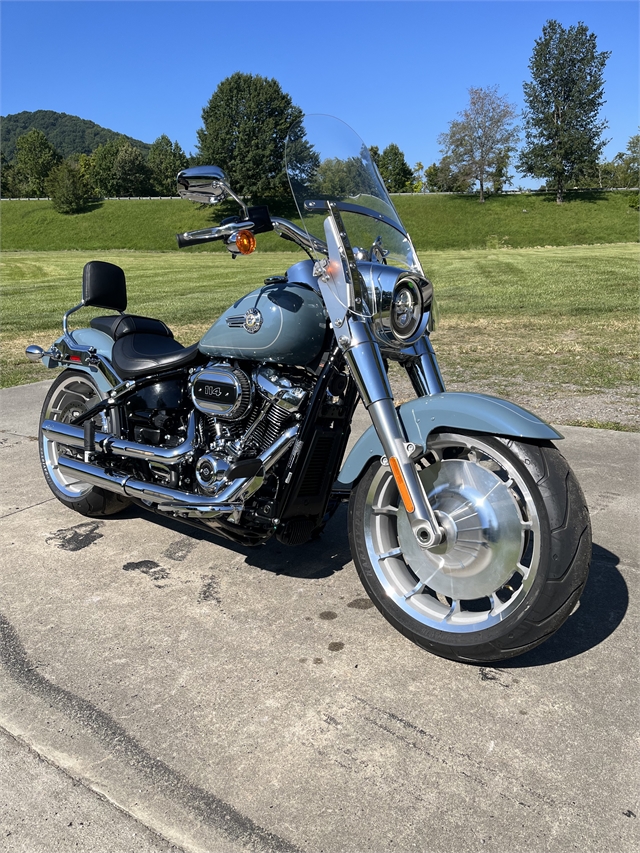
{"x": 142, "y": 345}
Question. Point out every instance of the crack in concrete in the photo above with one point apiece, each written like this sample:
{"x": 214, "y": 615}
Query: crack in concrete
{"x": 202, "y": 803}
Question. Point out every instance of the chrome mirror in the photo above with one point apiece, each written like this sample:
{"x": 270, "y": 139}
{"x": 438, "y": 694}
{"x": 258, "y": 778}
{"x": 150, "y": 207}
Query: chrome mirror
{"x": 204, "y": 184}
{"x": 207, "y": 185}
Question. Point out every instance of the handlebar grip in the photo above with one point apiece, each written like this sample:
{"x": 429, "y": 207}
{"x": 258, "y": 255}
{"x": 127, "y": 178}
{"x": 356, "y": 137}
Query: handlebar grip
{"x": 185, "y": 240}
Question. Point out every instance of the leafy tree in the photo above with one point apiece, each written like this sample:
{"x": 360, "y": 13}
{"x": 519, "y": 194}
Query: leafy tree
{"x": 374, "y": 153}
{"x": 623, "y": 172}
{"x": 118, "y": 169}
{"x": 9, "y": 182}
{"x": 394, "y": 170}
{"x": 419, "y": 178}
{"x": 166, "y": 159}
{"x": 562, "y": 130}
{"x": 443, "y": 177}
{"x": 35, "y": 158}
{"x": 245, "y": 125}
{"x": 481, "y": 141}
{"x": 69, "y": 192}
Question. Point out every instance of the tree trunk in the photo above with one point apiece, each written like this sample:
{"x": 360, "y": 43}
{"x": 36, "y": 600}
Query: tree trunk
{"x": 559, "y": 189}
{"x": 481, "y": 191}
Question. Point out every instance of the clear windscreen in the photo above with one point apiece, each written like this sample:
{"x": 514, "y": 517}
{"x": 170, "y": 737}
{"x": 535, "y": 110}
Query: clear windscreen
{"x": 327, "y": 161}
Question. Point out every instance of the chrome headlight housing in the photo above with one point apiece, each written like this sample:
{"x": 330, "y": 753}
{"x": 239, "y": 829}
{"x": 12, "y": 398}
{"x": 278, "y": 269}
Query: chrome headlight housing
{"x": 407, "y": 307}
{"x": 400, "y": 302}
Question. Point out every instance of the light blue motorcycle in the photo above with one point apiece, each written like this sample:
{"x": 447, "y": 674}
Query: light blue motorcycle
{"x": 467, "y": 527}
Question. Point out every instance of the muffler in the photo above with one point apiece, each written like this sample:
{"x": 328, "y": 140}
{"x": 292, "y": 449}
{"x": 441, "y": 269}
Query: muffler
{"x": 105, "y": 442}
{"x": 229, "y": 498}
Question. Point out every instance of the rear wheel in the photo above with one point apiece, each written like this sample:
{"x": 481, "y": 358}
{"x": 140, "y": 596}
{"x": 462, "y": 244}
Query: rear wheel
{"x": 514, "y": 561}
{"x": 70, "y": 395}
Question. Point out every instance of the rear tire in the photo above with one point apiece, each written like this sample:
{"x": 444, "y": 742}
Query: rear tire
{"x": 72, "y": 393}
{"x": 515, "y": 559}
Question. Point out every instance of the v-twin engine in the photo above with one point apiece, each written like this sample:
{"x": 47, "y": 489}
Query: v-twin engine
{"x": 230, "y": 430}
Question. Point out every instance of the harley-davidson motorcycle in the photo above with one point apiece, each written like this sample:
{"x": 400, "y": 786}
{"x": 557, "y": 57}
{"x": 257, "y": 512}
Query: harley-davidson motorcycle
{"x": 467, "y": 527}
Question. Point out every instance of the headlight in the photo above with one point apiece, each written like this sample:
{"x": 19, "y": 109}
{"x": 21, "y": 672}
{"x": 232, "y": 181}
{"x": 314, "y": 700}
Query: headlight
{"x": 411, "y": 298}
{"x": 400, "y": 302}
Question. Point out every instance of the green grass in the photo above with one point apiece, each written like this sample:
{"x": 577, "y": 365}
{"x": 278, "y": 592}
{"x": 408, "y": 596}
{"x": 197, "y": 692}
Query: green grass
{"x": 558, "y": 319}
{"x": 518, "y": 221}
{"x": 434, "y": 222}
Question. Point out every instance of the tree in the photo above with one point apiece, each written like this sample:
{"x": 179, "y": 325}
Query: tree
{"x": 480, "y": 143}
{"x": 66, "y": 187}
{"x": 245, "y": 125}
{"x": 394, "y": 170}
{"x": 9, "y": 183}
{"x": 118, "y": 169}
{"x": 419, "y": 178}
{"x": 562, "y": 130}
{"x": 166, "y": 159}
{"x": 443, "y": 177}
{"x": 35, "y": 158}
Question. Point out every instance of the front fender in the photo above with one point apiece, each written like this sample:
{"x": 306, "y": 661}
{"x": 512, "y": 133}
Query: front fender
{"x": 455, "y": 410}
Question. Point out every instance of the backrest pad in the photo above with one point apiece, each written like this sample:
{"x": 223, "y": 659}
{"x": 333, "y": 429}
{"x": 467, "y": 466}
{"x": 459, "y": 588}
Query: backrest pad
{"x": 104, "y": 286}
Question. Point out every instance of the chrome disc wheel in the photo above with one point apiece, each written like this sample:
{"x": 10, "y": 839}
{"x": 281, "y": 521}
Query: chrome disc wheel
{"x": 483, "y": 570}
{"x": 74, "y": 395}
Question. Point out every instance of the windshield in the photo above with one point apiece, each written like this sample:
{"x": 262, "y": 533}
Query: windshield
{"x": 327, "y": 161}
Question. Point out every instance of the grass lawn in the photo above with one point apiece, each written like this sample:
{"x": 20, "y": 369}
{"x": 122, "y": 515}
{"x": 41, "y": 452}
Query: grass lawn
{"x": 434, "y": 222}
{"x": 562, "y": 318}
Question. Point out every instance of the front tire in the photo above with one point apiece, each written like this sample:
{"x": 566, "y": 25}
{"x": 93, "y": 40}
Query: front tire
{"x": 73, "y": 393}
{"x": 516, "y": 555}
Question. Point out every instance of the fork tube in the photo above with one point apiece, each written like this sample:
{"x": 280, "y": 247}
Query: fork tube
{"x": 365, "y": 363}
{"x": 422, "y": 369}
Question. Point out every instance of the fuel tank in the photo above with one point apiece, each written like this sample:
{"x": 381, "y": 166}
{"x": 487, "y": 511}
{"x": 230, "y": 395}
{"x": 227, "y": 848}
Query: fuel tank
{"x": 282, "y": 322}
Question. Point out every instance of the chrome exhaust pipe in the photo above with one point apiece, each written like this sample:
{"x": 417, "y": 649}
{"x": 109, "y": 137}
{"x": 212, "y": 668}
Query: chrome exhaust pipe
{"x": 228, "y": 499}
{"x": 105, "y": 442}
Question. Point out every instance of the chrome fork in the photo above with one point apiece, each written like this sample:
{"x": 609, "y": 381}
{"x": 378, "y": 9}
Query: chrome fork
{"x": 362, "y": 354}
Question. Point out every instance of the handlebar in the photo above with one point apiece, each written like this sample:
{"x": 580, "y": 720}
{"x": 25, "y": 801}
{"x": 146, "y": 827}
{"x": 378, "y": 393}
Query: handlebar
{"x": 282, "y": 227}
{"x": 208, "y": 235}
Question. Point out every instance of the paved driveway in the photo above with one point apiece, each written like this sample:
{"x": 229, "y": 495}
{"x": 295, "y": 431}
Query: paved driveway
{"x": 189, "y": 694}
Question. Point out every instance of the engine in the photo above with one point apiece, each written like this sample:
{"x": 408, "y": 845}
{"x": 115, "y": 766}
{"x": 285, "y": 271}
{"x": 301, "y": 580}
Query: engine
{"x": 241, "y": 414}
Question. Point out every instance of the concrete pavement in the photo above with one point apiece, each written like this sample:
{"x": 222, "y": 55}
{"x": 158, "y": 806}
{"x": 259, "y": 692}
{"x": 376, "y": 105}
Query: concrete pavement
{"x": 206, "y": 697}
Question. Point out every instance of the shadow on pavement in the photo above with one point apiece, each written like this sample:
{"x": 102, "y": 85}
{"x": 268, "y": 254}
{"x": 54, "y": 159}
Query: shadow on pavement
{"x": 319, "y": 558}
{"x": 602, "y": 608}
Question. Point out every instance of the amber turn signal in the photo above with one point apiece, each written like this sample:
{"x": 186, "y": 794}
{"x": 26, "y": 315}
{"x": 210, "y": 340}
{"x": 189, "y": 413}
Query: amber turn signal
{"x": 245, "y": 242}
{"x": 401, "y": 484}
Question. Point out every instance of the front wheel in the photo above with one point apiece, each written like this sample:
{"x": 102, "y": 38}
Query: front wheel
{"x": 514, "y": 560}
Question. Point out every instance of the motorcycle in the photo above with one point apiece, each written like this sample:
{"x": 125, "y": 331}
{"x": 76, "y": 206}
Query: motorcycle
{"x": 467, "y": 527}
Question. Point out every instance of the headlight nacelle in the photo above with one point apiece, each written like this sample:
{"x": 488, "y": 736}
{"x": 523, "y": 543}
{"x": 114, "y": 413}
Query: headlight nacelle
{"x": 400, "y": 303}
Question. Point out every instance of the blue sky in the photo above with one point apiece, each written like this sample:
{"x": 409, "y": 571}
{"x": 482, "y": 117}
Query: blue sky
{"x": 395, "y": 71}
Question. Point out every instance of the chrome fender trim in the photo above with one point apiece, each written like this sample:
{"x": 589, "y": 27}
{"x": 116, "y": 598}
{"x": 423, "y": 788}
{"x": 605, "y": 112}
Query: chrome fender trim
{"x": 456, "y": 410}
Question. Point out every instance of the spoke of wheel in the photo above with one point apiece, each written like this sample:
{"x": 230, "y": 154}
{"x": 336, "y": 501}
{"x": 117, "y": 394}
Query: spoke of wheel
{"x": 389, "y": 509}
{"x": 496, "y": 604}
{"x": 394, "y": 552}
{"x": 417, "y": 588}
{"x": 453, "y": 609}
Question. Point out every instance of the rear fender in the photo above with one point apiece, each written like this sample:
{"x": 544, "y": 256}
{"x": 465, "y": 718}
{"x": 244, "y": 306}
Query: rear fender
{"x": 99, "y": 366}
{"x": 449, "y": 410}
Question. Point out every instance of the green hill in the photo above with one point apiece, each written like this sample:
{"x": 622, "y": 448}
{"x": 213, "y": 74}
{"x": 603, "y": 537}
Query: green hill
{"x": 434, "y": 222}
{"x": 68, "y": 134}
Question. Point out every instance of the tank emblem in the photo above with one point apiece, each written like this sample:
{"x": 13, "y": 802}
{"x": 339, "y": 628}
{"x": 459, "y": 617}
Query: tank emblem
{"x": 252, "y": 320}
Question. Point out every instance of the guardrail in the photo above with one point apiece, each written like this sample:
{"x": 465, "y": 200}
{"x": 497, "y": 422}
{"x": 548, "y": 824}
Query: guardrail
{"x": 110, "y": 198}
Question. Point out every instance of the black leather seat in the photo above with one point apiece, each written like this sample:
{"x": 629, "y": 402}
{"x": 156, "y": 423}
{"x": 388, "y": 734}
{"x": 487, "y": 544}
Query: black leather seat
{"x": 142, "y": 345}
{"x": 140, "y": 354}
{"x": 119, "y": 325}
